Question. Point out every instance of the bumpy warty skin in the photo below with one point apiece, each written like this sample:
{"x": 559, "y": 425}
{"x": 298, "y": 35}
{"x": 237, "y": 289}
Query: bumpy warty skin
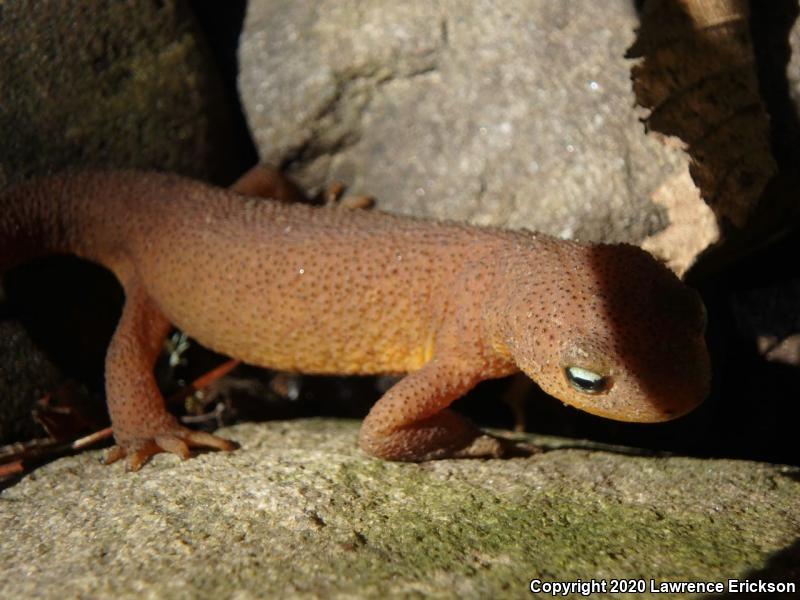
{"x": 318, "y": 290}
{"x": 610, "y": 309}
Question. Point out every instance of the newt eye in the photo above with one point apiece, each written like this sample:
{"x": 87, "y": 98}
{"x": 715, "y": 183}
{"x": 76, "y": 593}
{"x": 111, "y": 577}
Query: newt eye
{"x": 587, "y": 381}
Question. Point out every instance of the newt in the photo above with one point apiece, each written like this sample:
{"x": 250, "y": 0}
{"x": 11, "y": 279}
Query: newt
{"x": 605, "y": 328}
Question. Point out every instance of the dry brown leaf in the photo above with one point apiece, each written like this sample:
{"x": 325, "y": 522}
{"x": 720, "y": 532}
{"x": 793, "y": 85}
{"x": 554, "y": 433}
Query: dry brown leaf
{"x": 692, "y": 225}
{"x": 698, "y": 79}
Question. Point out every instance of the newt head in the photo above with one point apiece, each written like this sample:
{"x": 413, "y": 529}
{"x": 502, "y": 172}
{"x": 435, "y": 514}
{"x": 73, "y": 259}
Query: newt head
{"x": 610, "y": 331}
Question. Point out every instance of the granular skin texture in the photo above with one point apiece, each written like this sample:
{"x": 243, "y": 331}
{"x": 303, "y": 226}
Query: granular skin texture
{"x": 319, "y": 290}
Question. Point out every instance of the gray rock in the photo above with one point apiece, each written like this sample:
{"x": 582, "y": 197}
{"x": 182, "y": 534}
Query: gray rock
{"x": 117, "y": 84}
{"x": 298, "y": 511}
{"x": 25, "y": 376}
{"x": 793, "y": 68}
{"x": 516, "y": 113}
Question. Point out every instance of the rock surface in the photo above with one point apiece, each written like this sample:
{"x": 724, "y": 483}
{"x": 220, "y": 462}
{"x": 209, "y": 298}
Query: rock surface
{"x": 516, "y": 113}
{"x": 25, "y": 375}
{"x": 114, "y": 84}
{"x": 299, "y": 512}
{"x": 793, "y": 68}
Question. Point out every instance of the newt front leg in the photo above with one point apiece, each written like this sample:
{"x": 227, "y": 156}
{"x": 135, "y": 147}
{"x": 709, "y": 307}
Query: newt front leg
{"x": 411, "y": 422}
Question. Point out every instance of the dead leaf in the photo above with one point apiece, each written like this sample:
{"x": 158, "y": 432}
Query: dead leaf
{"x": 697, "y": 78}
{"x": 692, "y": 227}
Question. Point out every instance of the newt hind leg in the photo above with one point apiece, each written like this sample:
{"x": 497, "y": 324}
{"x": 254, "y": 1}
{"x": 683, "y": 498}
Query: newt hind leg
{"x": 411, "y": 422}
{"x": 142, "y": 426}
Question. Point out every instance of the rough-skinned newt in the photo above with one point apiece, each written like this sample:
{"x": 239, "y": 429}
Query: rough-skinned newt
{"x": 605, "y": 328}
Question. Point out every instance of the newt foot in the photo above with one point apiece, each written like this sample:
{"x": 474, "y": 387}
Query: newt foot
{"x": 176, "y": 441}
